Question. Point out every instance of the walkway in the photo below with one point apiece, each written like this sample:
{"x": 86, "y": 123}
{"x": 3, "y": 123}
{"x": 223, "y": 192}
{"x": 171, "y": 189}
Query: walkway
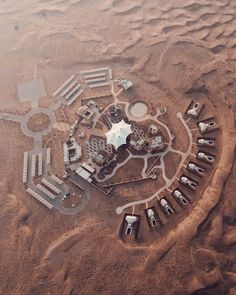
{"x": 23, "y": 120}
{"x": 38, "y": 148}
{"x": 184, "y": 155}
{"x": 168, "y": 182}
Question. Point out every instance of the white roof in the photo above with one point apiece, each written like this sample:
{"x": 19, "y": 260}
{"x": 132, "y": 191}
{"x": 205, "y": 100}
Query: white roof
{"x": 118, "y": 133}
{"x": 83, "y": 173}
{"x": 88, "y": 167}
{"x": 126, "y": 83}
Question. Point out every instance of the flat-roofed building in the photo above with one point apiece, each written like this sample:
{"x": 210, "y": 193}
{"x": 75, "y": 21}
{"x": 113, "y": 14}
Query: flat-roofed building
{"x": 85, "y": 174}
{"x": 156, "y": 144}
{"x": 88, "y": 167}
{"x": 72, "y": 151}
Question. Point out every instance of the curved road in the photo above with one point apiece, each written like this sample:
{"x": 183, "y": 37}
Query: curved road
{"x": 23, "y": 120}
{"x": 169, "y": 182}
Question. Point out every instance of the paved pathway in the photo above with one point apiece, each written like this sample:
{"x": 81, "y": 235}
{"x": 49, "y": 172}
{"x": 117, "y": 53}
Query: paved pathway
{"x": 38, "y": 148}
{"x": 169, "y": 182}
{"x": 23, "y": 120}
{"x": 129, "y": 116}
{"x": 184, "y": 155}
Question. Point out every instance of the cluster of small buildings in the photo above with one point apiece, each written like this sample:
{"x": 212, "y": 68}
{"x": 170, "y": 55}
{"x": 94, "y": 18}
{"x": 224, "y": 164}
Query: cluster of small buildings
{"x": 102, "y": 157}
{"x": 88, "y": 113}
{"x": 195, "y": 169}
{"x": 85, "y": 171}
{"x": 151, "y": 142}
{"x": 103, "y": 151}
{"x": 113, "y": 115}
{"x": 72, "y": 151}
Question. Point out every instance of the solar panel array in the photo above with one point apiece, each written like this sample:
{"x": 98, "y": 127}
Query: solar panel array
{"x": 70, "y": 90}
{"x": 25, "y": 167}
{"x": 97, "y": 77}
{"x": 110, "y": 74}
{"x": 63, "y": 85}
{"x": 48, "y": 156}
{"x": 33, "y": 165}
{"x": 39, "y": 198}
{"x": 46, "y": 191}
{"x": 73, "y": 98}
{"x": 40, "y": 164}
{"x": 56, "y": 179}
{"x": 95, "y": 80}
{"x": 51, "y": 186}
{"x": 95, "y": 85}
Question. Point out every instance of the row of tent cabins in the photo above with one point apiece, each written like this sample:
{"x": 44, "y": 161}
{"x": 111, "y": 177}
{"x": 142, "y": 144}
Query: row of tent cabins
{"x": 194, "y": 110}
{"x": 131, "y": 223}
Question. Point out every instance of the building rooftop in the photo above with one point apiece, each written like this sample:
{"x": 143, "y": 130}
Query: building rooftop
{"x": 118, "y": 133}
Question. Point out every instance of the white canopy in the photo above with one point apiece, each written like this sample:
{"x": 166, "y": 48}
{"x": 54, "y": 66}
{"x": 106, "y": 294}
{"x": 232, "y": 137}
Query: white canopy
{"x": 118, "y": 133}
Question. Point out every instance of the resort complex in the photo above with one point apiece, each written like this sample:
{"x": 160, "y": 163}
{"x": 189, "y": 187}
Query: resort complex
{"x": 111, "y": 131}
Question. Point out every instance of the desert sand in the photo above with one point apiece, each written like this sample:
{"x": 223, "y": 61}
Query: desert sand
{"x": 174, "y": 51}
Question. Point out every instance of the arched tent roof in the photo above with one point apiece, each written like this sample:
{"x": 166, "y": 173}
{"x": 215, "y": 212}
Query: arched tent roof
{"x": 118, "y": 133}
